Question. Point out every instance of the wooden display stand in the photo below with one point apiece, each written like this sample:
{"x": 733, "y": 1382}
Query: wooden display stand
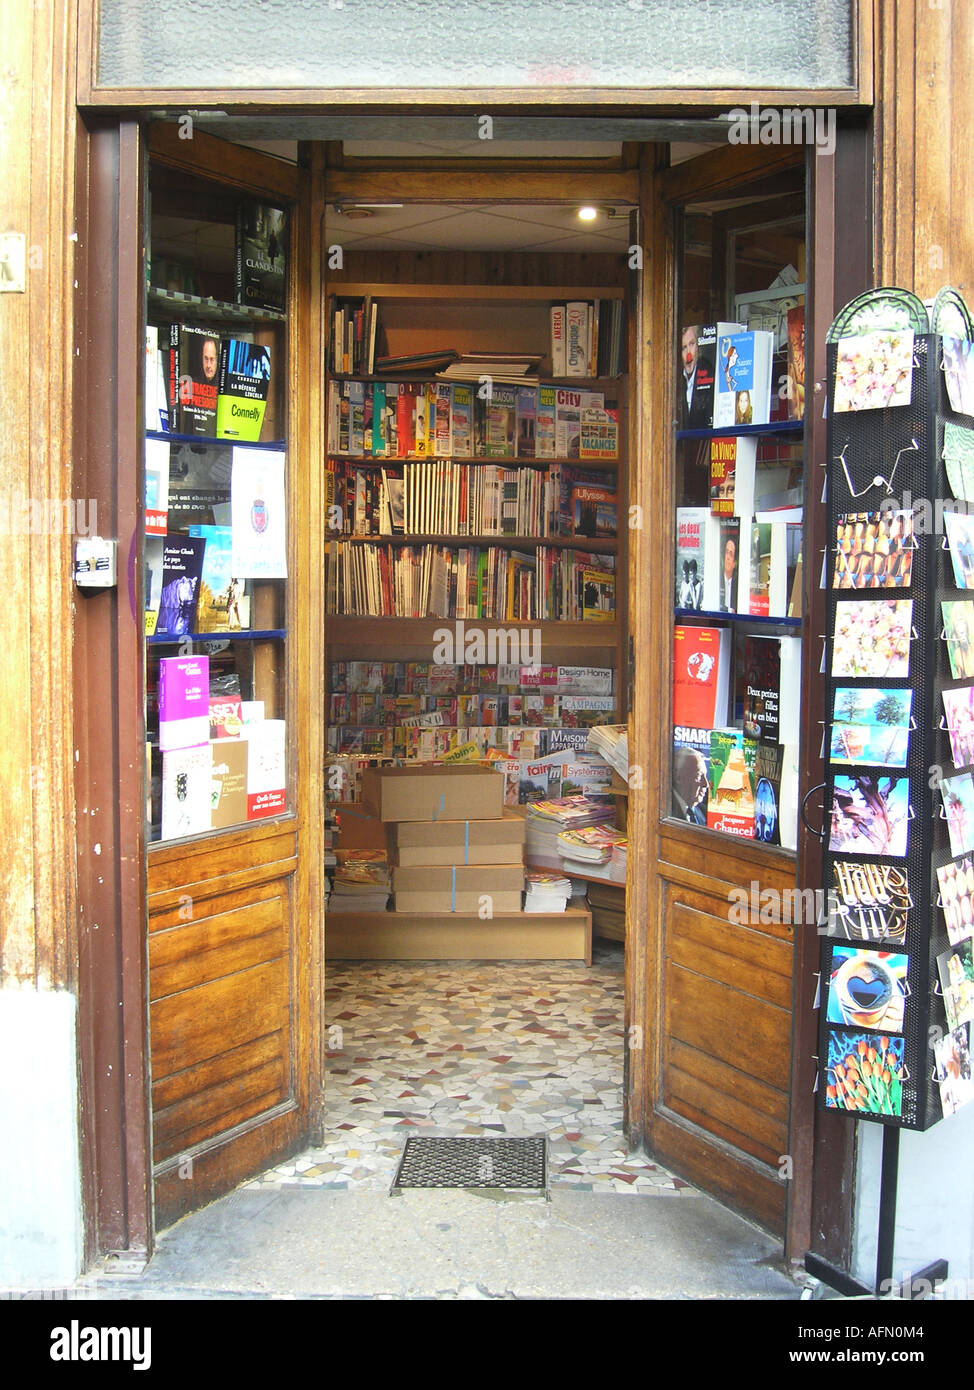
{"x": 459, "y": 936}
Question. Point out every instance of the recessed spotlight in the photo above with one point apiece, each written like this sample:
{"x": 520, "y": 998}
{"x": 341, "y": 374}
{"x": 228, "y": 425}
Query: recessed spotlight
{"x": 588, "y": 214}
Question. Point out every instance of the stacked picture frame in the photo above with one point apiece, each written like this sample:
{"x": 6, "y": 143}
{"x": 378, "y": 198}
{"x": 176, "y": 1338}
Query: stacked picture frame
{"x": 897, "y": 977}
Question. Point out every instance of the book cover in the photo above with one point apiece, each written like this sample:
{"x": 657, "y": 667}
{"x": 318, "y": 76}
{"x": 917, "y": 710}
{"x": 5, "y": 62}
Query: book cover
{"x": 545, "y": 429}
{"x": 379, "y": 420}
{"x": 698, "y": 357}
{"x": 701, "y": 676}
{"x": 768, "y": 594}
{"x": 223, "y": 604}
{"x": 558, "y": 340}
{"x": 228, "y": 784}
{"x": 184, "y": 701}
{"x": 266, "y": 779}
{"x": 769, "y": 762}
{"x": 199, "y": 380}
{"x": 526, "y": 422}
{"x": 577, "y": 338}
{"x": 729, "y": 545}
{"x": 182, "y": 566}
{"x": 598, "y": 595}
{"x": 762, "y": 688}
{"x": 598, "y": 433}
{"x": 187, "y": 775}
{"x": 462, "y": 422}
{"x": 733, "y": 460}
{"x": 594, "y": 512}
{"x": 568, "y": 409}
{"x": 501, "y": 421}
{"x": 443, "y": 429}
{"x": 152, "y": 579}
{"x": 690, "y": 769}
{"x": 730, "y": 801}
{"x": 156, "y": 487}
{"x": 742, "y": 394}
{"x": 261, "y": 256}
{"x": 226, "y": 715}
{"x": 795, "y": 377}
{"x": 245, "y": 376}
{"x": 697, "y": 544}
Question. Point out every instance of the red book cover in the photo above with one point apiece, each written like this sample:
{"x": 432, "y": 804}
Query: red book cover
{"x": 700, "y": 676}
{"x": 405, "y": 420}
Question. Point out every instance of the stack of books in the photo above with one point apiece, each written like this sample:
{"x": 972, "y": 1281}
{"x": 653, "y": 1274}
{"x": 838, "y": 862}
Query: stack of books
{"x": 361, "y": 882}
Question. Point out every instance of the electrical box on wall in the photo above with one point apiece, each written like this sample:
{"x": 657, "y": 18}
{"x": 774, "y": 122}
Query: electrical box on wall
{"x": 95, "y": 563}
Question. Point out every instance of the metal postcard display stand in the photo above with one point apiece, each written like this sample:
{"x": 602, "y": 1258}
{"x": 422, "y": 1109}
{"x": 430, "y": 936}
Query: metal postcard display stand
{"x": 899, "y": 797}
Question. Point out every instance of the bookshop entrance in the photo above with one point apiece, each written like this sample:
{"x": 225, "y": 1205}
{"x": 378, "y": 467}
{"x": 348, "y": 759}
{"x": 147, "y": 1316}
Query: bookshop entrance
{"x": 428, "y": 514}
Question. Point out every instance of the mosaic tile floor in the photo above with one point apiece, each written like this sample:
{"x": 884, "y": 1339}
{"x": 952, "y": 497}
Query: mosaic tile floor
{"x": 483, "y": 1048}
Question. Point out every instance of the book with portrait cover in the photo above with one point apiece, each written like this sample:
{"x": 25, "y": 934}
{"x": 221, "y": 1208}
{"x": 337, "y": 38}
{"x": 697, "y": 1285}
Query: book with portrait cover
{"x": 245, "y": 375}
{"x": 198, "y": 356}
{"x": 261, "y": 256}
{"x": 701, "y": 676}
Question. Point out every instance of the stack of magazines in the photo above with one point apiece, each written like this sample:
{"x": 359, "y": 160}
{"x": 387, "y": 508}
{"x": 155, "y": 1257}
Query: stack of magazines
{"x": 361, "y": 881}
{"x": 546, "y": 892}
{"x": 611, "y": 742}
{"x": 546, "y": 819}
{"x": 590, "y": 850}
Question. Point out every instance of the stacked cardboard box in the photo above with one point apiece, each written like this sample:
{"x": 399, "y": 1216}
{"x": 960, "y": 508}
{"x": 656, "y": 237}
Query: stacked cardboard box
{"x": 453, "y": 847}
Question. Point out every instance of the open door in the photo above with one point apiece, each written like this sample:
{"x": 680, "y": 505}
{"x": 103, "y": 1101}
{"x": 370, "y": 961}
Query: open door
{"x": 233, "y": 921}
{"x": 719, "y": 984}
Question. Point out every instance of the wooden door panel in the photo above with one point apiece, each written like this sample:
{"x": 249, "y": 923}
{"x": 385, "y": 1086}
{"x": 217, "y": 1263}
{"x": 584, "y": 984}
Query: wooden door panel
{"x": 226, "y": 1093}
{"x": 744, "y": 1111}
{"x": 724, "y": 1028}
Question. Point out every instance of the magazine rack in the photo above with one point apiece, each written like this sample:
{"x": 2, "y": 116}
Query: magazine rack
{"x": 884, "y": 926}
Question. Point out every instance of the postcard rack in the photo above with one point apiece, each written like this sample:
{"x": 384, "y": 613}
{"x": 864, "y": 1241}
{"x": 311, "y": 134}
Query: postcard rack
{"x": 888, "y": 760}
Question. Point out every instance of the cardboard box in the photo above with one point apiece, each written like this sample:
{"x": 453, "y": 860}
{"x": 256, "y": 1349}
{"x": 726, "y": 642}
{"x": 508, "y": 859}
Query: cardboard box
{"x": 458, "y": 888}
{"x": 457, "y": 792}
{"x": 460, "y": 841}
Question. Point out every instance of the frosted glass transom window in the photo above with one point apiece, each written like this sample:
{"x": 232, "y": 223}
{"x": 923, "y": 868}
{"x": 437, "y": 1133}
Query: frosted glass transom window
{"x": 583, "y": 44}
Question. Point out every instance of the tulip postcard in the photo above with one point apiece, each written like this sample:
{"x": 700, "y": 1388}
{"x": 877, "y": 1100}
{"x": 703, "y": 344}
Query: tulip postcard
{"x": 865, "y": 1073}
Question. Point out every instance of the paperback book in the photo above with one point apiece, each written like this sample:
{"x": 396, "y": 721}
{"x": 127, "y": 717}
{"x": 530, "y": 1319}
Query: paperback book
{"x": 261, "y": 256}
{"x": 730, "y": 805}
{"x": 742, "y": 394}
{"x": 245, "y": 374}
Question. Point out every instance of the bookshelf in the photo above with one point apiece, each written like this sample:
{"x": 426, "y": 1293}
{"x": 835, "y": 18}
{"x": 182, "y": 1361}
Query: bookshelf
{"x": 236, "y": 637}
{"x": 739, "y": 498}
{"x": 473, "y": 318}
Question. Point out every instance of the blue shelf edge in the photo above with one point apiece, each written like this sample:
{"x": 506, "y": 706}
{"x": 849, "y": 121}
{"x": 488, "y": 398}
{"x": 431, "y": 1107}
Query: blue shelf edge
{"x": 774, "y": 427}
{"x": 172, "y": 438}
{"x": 736, "y": 617}
{"x": 247, "y": 635}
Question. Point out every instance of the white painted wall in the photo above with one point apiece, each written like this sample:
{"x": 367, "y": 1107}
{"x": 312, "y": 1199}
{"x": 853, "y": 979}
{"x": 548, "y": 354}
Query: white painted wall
{"x": 934, "y": 1200}
{"x": 40, "y": 1170}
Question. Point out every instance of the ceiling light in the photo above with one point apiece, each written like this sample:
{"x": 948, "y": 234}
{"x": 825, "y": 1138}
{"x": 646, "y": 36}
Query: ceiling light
{"x": 588, "y": 213}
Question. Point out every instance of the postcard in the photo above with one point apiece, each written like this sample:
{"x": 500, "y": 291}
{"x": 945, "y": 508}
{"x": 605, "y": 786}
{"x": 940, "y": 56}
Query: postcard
{"x": 867, "y": 989}
{"x": 959, "y": 636}
{"x": 953, "y": 1057}
{"x": 875, "y": 371}
{"x": 865, "y": 1073}
{"x": 959, "y": 459}
{"x": 956, "y": 901}
{"x": 869, "y": 902}
{"x": 958, "y": 795}
{"x": 959, "y": 722}
{"x": 873, "y": 550}
{"x": 960, "y": 538}
{"x": 872, "y": 637}
{"x": 959, "y": 374}
{"x": 870, "y": 814}
{"x": 956, "y": 969}
{"x": 870, "y": 727}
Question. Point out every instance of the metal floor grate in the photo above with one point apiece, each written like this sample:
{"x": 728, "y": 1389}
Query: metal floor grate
{"x": 498, "y": 1163}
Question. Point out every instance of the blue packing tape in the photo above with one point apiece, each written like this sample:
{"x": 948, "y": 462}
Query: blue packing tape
{"x": 440, "y": 807}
